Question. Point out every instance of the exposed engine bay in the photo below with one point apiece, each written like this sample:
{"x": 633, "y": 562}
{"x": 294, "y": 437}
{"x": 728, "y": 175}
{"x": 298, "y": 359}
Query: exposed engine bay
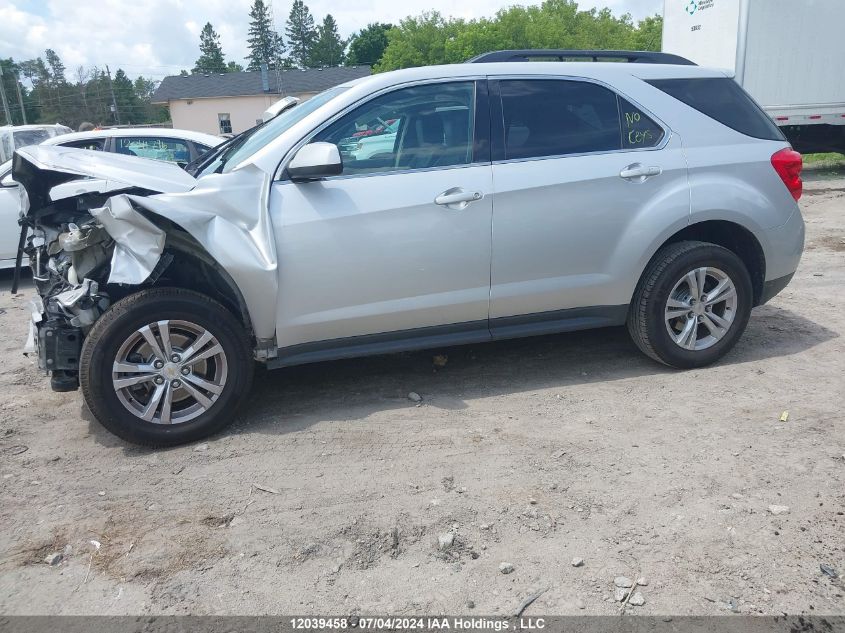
{"x": 70, "y": 253}
{"x": 94, "y": 232}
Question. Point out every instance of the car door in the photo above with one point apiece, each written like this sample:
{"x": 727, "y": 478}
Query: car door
{"x": 399, "y": 244}
{"x": 10, "y": 205}
{"x": 578, "y": 172}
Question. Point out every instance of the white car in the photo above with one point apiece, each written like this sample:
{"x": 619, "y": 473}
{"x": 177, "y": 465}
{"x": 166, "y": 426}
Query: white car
{"x": 14, "y": 136}
{"x": 174, "y": 146}
{"x": 370, "y": 146}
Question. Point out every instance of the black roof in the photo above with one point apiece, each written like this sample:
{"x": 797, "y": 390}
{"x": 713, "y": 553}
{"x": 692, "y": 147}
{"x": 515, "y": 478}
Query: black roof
{"x": 641, "y": 57}
{"x": 284, "y": 82}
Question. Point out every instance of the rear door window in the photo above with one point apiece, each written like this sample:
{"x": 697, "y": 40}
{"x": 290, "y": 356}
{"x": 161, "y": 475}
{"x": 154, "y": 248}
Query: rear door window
{"x": 722, "y": 99}
{"x": 552, "y": 117}
{"x": 171, "y": 150}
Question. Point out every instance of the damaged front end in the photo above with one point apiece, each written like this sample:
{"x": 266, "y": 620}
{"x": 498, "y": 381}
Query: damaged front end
{"x": 97, "y": 227}
{"x": 71, "y": 254}
{"x": 67, "y": 260}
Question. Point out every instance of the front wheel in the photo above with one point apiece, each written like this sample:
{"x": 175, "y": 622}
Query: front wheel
{"x": 165, "y": 366}
{"x": 692, "y": 304}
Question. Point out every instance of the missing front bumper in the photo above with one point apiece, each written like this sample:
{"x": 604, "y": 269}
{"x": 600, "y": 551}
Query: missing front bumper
{"x": 57, "y": 346}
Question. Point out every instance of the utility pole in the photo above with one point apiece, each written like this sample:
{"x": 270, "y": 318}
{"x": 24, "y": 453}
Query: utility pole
{"x": 3, "y": 96}
{"x": 113, "y": 100}
{"x": 20, "y": 97}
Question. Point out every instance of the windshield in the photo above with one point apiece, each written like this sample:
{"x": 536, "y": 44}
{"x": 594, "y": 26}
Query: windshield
{"x": 250, "y": 142}
{"x": 210, "y": 162}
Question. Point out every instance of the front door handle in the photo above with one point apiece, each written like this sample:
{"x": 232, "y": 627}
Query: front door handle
{"x": 639, "y": 173}
{"x": 457, "y": 198}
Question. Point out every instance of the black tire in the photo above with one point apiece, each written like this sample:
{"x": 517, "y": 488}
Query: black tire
{"x": 125, "y": 317}
{"x": 646, "y": 317}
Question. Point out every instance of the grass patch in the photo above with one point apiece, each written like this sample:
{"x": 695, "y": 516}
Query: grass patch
{"x": 824, "y": 159}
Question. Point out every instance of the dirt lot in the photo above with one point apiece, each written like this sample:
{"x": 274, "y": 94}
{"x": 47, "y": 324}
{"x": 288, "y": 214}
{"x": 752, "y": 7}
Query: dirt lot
{"x": 529, "y": 452}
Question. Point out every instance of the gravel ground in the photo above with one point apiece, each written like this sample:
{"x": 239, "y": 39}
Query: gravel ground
{"x": 334, "y": 492}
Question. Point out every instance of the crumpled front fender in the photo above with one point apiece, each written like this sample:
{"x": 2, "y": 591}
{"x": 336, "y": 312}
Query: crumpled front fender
{"x": 226, "y": 213}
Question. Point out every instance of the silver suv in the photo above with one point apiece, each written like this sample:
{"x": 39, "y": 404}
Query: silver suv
{"x": 506, "y": 199}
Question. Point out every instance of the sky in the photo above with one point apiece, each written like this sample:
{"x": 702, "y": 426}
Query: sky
{"x": 160, "y": 37}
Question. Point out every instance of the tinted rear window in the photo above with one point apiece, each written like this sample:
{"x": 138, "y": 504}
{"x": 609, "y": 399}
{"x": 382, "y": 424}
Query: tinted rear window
{"x": 722, "y": 99}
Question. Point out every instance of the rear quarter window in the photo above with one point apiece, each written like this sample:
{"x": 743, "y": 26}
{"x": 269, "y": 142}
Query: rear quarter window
{"x": 722, "y": 99}
{"x": 638, "y": 129}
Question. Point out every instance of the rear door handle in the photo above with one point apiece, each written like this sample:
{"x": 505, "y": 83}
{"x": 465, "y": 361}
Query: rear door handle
{"x": 639, "y": 173}
{"x": 457, "y": 198}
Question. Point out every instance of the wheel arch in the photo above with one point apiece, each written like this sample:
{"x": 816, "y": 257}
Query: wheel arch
{"x": 730, "y": 235}
{"x": 186, "y": 264}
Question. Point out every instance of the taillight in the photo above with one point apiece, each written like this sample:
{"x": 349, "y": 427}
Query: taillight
{"x": 788, "y": 164}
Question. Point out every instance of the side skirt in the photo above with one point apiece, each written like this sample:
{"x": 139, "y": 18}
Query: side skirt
{"x": 497, "y": 329}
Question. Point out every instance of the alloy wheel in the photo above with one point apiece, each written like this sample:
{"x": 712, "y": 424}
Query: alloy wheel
{"x": 169, "y": 372}
{"x": 701, "y": 308}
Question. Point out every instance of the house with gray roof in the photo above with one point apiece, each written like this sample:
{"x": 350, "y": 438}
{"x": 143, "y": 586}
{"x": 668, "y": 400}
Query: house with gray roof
{"x": 229, "y": 103}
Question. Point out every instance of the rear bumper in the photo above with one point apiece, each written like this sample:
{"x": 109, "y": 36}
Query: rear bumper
{"x": 783, "y": 252}
{"x": 773, "y": 287}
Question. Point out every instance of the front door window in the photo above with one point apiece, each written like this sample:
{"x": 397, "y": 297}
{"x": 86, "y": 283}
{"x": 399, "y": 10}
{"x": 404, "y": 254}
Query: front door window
{"x": 419, "y": 127}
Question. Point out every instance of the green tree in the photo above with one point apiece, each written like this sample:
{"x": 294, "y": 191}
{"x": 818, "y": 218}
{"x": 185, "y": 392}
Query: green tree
{"x": 35, "y": 71}
{"x": 367, "y": 46}
{"x": 649, "y": 34}
{"x": 234, "y": 67}
{"x": 265, "y": 44}
{"x": 151, "y": 113}
{"x": 328, "y": 47}
{"x": 11, "y": 84}
{"x": 145, "y": 88}
{"x": 57, "y": 100}
{"x": 419, "y": 41}
{"x": 128, "y": 103}
{"x": 301, "y": 34}
{"x": 53, "y": 98}
{"x": 431, "y": 39}
{"x": 211, "y": 59}
{"x": 57, "y": 68}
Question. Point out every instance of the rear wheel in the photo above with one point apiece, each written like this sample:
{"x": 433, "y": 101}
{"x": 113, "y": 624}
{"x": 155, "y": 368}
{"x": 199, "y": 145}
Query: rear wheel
{"x": 165, "y": 366}
{"x": 691, "y": 305}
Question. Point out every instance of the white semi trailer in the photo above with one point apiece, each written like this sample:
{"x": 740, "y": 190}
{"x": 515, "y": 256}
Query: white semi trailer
{"x": 788, "y": 54}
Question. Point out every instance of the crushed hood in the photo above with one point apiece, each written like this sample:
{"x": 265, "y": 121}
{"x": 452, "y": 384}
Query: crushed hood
{"x": 39, "y": 168}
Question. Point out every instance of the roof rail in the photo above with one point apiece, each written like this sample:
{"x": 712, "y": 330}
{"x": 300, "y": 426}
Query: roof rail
{"x": 553, "y": 54}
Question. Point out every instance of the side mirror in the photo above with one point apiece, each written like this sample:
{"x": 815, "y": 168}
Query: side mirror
{"x": 315, "y": 161}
